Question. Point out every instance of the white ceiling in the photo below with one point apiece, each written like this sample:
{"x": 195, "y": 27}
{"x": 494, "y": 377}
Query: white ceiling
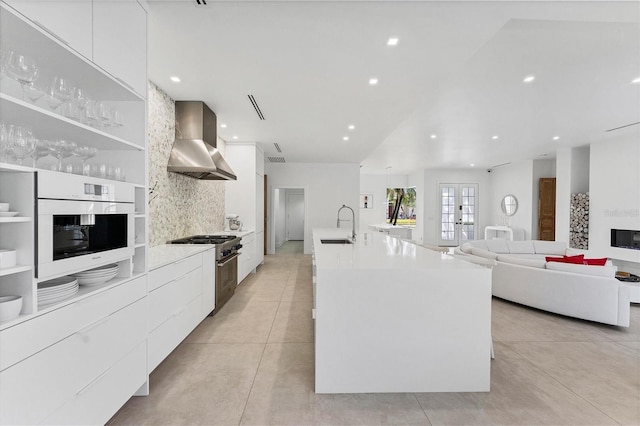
{"x": 457, "y": 72}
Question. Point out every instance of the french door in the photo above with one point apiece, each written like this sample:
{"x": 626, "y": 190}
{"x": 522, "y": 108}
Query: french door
{"x": 458, "y": 213}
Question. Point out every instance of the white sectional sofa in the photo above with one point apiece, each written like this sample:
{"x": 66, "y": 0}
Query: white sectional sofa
{"x": 522, "y": 275}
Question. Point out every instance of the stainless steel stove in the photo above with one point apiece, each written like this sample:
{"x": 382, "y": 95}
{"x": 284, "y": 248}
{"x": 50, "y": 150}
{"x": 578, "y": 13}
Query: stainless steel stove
{"x": 227, "y": 247}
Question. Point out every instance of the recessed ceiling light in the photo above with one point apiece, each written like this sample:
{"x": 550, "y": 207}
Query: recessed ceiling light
{"x": 636, "y": 80}
{"x": 235, "y": 137}
{"x": 224, "y": 126}
{"x": 529, "y": 78}
{"x": 351, "y": 127}
{"x": 555, "y": 138}
{"x": 392, "y": 41}
{"x": 434, "y": 136}
{"x": 373, "y": 81}
{"x": 175, "y": 79}
{"x": 472, "y": 165}
{"x": 494, "y": 137}
{"x": 345, "y": 138}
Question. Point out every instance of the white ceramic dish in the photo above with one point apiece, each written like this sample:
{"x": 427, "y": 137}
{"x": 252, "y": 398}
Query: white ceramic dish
{"x": 96, "y": 280}
{"x": 8, "y": 214}
{"x": 10, "y": 307}
{"x": 4, "y": 207}
{"x": 7, "y": 258}
{"x": 55, "y": 282}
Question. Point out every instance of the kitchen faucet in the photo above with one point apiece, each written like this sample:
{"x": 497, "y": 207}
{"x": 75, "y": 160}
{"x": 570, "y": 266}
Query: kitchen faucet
{"x": 353, "y": 220}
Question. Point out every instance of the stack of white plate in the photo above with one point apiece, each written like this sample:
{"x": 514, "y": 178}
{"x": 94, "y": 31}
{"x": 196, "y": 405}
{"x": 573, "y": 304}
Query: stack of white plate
{"x": 97, "y": 276}
{"x": 56, "y": 290}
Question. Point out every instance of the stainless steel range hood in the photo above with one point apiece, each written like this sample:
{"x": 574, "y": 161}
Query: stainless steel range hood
{"x": 194, "y": 151}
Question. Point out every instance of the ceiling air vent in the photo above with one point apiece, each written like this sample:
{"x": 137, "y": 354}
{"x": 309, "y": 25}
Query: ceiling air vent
{"x": 277, "y": 146}
{"x": 622, "y": 127}
{"x": 200, "y": 2}
{"x": 276, "y": 159}
{"x": 255, "y": 106}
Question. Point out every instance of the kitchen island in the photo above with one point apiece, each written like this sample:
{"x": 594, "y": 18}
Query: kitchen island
{"x": 391, "y": 316}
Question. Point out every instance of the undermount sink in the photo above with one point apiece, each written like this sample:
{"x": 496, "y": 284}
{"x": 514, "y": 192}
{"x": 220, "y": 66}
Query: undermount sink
{"x": 337, "y": 241}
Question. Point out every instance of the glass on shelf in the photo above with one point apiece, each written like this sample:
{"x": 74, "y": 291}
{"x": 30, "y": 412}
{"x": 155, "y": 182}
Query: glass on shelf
{"x": 61, "y": 149}
{"x": 85, "y": 153}
{"x": 21, "y": 142}
{"x": 22, "y": 68}
{"x": 41, "y": 150}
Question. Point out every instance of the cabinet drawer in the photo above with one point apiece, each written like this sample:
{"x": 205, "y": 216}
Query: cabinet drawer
{"x": 31, "y": 390}
{"x": 165, "y": 274}
{"x": 31, "y": 336}
{"x": 171, "y": 298}
{"x": 99, "y": 401}
{"x": 168, "y": 336}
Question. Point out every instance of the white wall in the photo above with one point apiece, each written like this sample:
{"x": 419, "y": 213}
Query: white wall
{"x": 541, "y": 169}
{"x": 432, "y": 178}
{"x": 614, "y": 187}
{"x": 563, "y": 193}
{"x": 326, "y": 187}
{"x": 279, "y": 216}
{"x": 515, "y": 179}
{"x": 377, "y": 186}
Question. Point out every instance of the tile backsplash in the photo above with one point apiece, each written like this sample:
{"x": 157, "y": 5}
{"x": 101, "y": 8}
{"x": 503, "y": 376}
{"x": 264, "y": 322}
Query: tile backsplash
{"x": 179, "y": 205}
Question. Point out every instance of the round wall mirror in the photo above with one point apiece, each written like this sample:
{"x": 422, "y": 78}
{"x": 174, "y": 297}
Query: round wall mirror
{"x": 509, "y": 205}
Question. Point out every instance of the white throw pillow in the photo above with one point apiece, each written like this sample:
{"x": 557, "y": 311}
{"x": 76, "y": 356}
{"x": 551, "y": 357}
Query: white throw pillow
{"x": 497, "y": 246}
{"x": 525, "y": 247}
{"x": 600, "y": 271}
{"x": 533, "y": 263}
{"x": 550, "y": 247}
{"x": 483, "y": 253}
{"x": 466, "y": 248}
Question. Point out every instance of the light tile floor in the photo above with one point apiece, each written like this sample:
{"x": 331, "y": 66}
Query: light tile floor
{"x": 253, "y": 364}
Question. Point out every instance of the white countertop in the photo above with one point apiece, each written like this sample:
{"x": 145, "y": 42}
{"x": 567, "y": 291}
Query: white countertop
{"x": 240, "y": 234}
{"x": 390, "y": 226}
{"x": 169, "y": 253}
{"x": 373, "y": 250}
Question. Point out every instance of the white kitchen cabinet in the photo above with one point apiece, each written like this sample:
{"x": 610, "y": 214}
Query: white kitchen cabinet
{"x": 246, "y": 261}
{"x": 182, "y": 293}
{"x": 68, "y": 21}
{"x": 245, "y": 196}
{"x": 60, "y": 362}
{"x": 120, "y": 41}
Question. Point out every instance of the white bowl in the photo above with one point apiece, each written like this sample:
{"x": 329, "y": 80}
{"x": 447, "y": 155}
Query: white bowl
{"x": 7, "y": 258}
{"x": 4, "y": 207}
{"x": 8, "y": 214}
{"x": 10, "y": 307}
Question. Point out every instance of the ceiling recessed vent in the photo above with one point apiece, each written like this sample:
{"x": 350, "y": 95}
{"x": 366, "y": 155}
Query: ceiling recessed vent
{"x": 277, "y": 146}
{"x": 500, "y": 165}
{"x": 622, "y": 127}
{"x": 276, "y": 159}
{"x": 201, "y": 2}
{"x": 255, "y": 105}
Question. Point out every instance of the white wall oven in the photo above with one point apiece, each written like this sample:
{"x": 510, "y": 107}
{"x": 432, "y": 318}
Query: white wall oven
{"x": 82, "y": 223}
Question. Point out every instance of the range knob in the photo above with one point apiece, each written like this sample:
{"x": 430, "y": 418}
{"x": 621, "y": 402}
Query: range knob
{"x": 226, "y": 253}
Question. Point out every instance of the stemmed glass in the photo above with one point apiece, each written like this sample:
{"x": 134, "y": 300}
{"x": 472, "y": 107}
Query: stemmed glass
{"x": 41, "y": 150}
{"x": 85, "y": 152}
{"x": 61, "y": 149}
{"x": 21, "y": 68}
{"x": 61, "y": 91}
{"x": 80, "y": 100}
{"x": 21, "y": 142}
{"x": 4, "y": 142}
{"x": 33, "y": 92}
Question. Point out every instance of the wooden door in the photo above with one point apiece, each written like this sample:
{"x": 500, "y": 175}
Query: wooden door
{"x": 547, "y": 209}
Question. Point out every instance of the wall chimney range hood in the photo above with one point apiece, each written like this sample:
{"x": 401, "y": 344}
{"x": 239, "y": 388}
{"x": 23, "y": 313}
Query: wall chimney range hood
{"x": 194, "y": 151}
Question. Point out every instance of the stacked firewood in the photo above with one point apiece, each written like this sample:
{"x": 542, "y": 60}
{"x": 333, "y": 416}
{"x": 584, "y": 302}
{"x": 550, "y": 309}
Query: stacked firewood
{"x": 579, "y": 221}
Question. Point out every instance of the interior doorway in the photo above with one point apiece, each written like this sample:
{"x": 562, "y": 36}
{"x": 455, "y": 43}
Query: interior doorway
{"x": 458, "y": 213}
{"x": 288, "y": 224}
{"x": 547, "y": 209}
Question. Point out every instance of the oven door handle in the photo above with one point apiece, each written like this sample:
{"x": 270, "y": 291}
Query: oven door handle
{"x": 229, "y": 259}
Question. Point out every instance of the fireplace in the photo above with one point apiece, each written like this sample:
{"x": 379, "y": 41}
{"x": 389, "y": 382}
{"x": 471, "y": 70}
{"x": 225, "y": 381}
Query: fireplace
{"x": 625, "y": 238}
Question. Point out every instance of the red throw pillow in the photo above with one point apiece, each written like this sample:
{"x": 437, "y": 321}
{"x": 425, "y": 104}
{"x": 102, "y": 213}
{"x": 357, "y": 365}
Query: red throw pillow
{"x": 578, "y": 260}
{"x": 597, "y": 262}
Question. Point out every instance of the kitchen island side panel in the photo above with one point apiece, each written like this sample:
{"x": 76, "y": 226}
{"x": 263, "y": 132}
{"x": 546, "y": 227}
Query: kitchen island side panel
{"x": 387, "y": 330}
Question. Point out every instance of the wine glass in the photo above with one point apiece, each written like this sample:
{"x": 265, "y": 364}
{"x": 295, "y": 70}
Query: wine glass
{"x": 85, "y": 152}
{"x": 33, "y": 92}
{"x": 61, "y": 149}
{"x": 60, "y": 92}
{"x": 21, "y": 142}
{"x": 21, "y": 68}
{"x": 4, "y": 142}
{"x": 80, "y": 100}
{"x": 40, "y": 150}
